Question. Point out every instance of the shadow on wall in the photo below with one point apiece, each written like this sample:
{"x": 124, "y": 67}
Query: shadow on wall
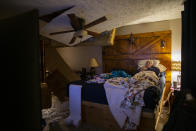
{"x": 78, "y": 57}
{"x": 61, "y": 74}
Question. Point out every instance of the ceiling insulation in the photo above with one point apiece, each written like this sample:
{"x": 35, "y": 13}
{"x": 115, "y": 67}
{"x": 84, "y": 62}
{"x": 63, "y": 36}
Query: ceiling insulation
{"x": 118, "y": 12}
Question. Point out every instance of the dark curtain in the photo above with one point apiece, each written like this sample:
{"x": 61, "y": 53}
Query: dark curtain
{"x": 188, "y": 47}
{"x": 20, "y": 72}
{"x": 183, "y": 113}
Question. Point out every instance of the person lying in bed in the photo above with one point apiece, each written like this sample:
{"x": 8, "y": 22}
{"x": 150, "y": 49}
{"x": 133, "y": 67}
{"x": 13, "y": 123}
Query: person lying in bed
{"x": 149, "y": 66}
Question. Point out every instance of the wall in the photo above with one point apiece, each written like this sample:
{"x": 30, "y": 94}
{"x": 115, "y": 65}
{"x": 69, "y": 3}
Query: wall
{"x": 173, "y": 25}
{"x": 55, "y": 62}
{"x": 78, "y": 57}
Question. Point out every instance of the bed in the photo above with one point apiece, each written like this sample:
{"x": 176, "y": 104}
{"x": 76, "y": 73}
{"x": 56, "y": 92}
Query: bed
{"x": 95, "y": 92}
{"x": 108, "y": 95}
{"x": 122, "y": 55}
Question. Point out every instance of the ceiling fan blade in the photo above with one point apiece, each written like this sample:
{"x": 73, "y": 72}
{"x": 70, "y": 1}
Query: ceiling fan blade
{"x": 61, "y": 32}
{"x": 72, "y": 40}
{"x": 95, "y": 22}
{"x": 76, "y": 22}
{"x": 49, "y": 17}
{"x": 92, "y": 33}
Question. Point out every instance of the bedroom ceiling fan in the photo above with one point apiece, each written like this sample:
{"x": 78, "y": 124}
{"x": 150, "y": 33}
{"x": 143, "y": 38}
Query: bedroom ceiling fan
{"x": 80, "y": 27}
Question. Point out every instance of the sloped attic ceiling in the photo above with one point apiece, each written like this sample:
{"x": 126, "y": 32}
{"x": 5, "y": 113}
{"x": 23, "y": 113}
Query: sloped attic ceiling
{"x": 118, "y": 12}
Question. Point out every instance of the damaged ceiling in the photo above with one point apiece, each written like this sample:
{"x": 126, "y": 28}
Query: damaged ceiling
{"x": 118, "y": 12}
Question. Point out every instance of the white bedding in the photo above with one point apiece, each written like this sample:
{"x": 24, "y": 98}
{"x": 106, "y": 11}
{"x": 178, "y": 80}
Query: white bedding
{"x": 125, "y": 97}
{"x": 115, "y": 95}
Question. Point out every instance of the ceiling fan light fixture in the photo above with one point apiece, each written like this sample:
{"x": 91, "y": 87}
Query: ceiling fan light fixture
{"x": 80, "y": 33}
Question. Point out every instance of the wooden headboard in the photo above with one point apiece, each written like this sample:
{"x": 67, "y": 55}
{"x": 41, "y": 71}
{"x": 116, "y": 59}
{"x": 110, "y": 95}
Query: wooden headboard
{"x": 123, "y": 55}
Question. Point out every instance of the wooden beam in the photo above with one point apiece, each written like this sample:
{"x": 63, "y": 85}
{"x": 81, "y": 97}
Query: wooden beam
{"x": 100, "y": 40}
{"x": 112, "y": 38}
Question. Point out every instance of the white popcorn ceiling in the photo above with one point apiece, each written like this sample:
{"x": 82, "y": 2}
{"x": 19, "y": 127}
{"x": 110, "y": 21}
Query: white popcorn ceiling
{"x": 118, "y": 12}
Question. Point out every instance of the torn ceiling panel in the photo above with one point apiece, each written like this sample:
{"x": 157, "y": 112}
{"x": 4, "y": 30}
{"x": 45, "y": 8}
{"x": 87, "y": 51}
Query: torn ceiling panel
{"x": 63, "y": 23}
{"x": 118, "y": 12}
{"x": 104, "y": 39}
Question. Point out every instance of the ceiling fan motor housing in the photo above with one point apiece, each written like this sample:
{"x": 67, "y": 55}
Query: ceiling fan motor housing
{"x": 80, "y": 33}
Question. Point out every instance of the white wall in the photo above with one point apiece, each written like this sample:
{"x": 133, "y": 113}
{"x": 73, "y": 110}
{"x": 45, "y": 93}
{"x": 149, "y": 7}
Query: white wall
{"x": 78, "y": 57}
{"x": 173, "y": 25}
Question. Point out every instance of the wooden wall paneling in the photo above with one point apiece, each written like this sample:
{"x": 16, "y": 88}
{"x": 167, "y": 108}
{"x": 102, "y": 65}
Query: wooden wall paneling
{"x": 123, "y": 55}
{"x": 148, "y": 34}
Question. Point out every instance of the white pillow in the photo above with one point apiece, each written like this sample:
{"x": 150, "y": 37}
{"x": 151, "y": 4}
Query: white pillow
{"x": 156, "y": 62}
{"x": 141, "y": 63}
{"x": 161, "y": 67}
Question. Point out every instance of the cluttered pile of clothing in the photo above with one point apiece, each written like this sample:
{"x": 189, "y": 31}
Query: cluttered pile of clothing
{"x": 58, "y": 111}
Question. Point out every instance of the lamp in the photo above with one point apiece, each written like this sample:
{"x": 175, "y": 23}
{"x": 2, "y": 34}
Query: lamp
{"x": 162, "y": 44}
{"x": 93, "y": 64}
{"x": 132, "y": 40}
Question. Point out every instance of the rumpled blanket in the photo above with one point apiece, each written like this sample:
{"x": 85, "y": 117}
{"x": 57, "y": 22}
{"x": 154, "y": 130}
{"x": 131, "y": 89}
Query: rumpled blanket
{"x": 133, "y": 98}
{"x": 101, "y": 78}
{"x": 137, "y": 84}
{"x": 117, "y": 73}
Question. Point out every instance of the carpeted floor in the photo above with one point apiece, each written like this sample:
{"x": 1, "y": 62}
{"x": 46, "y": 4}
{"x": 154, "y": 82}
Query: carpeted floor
{"x": 146, "y": 125}
{"x": 88, "y": 124}
{"x": 61, "y": 126}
